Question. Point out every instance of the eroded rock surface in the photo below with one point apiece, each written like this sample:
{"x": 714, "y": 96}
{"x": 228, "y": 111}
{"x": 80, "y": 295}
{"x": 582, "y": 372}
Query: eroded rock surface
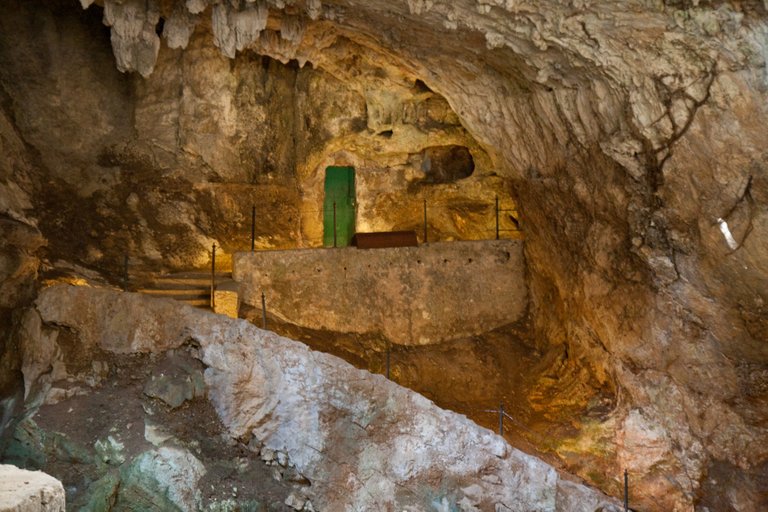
{"x": 631, "y": 134}
{"x": 29, "y": 491}
{"x": 163, "y": 166}
{"x": 116, "y": 448}
{"x": 362, "y": 441}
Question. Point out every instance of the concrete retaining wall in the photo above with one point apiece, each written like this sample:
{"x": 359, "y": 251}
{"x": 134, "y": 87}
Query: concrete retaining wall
{"x": 410, "y": 295}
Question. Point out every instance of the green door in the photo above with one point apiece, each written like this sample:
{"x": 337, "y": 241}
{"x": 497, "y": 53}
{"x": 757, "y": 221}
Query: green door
{"x": 339, "y": 189}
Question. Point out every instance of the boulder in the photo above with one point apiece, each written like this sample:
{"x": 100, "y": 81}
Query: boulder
{"x": 29, "y": 491}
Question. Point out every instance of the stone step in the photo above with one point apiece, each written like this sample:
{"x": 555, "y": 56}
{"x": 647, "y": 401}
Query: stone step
{"x": 192, "y": 288}
{"x": 201, "y": 281}
{"x": 179, "y": 283}
{"x": 198, "y": 303}
{"x": 177, "y": 293}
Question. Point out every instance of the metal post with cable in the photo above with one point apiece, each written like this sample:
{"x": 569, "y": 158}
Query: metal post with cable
{"x": 503, "y": 414}
{"x": 263, "y": 311}
{"x": 388, "y": 358}
{"x": 626, "y": 491}
{"x": 253, "y": 228}
{"x": 125, "y": 273}
{"x": 213, "y": 276}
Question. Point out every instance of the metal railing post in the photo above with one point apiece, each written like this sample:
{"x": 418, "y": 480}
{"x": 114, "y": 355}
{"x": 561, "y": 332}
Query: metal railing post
{"x": 626, "y": 491}
{"x": 125, "y": 273}
{"x": 213, "y": 276}
{"x": 263, "y": 311}
{"x": 253, "y": 229}
{"x": 388, "y": 358}
{"x": 497, "y": 217}
{"x": 334, "y": 223}
{"x": 425, "y": 222}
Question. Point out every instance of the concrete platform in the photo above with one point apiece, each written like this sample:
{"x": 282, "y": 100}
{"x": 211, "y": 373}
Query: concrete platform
{"x": 409, "y": 295}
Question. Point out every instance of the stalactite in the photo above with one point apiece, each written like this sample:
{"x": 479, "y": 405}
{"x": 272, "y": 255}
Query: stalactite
{"x": 292, "y": 29}
{"x": 234, "y": 29}
{"x": 134, "y": 40}
{"x": 179, "y": 26}
{"x": 314, "y": 8}
{"x": 196, "y": 6}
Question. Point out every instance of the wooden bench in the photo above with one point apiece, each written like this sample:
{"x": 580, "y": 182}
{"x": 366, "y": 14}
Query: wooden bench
{"x": 385, "y": 239}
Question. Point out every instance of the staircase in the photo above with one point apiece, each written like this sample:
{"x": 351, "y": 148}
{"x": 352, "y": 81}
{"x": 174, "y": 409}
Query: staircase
{"x": 192, "y": 288}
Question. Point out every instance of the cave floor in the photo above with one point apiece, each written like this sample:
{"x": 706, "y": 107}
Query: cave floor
{"x": 60, "y": 439}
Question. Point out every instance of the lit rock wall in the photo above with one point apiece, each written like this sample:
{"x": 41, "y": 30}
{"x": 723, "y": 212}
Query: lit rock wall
{"x": 408, "y": 295}
{"x": 165, "y": 164}
{"x": 20, "y": 244}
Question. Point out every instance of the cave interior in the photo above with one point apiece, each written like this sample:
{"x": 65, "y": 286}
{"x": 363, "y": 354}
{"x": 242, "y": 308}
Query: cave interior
{"x": 594, "y": 171}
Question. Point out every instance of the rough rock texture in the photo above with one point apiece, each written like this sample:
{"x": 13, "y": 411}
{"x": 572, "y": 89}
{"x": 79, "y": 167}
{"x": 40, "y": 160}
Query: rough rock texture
{"x": 134, "y": 40}
{"x": 20, "y": 242}
{"x": 29, "y": 491}
{"x": 18, "y": 271}
{"x": 407, "y": 295}
{"x": 631, "y": 133}
{"x": 363, "y": 442}
{"x": 116, "y": 447}
{"x": 174, "y": 473}
{"x": 163, "y": 167}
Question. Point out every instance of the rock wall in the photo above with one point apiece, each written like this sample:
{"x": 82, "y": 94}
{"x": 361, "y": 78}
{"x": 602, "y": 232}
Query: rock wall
{"x": 363, "y": 442}
{"x": 407, "y": 295}
{"x": 164, "y": 165}
{"x": 20, "y": 244}
{"x": 630, "y": 132}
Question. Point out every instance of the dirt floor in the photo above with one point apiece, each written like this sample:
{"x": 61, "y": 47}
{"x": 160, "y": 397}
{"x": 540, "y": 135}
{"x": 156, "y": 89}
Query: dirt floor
{"x": 119, "y": 407}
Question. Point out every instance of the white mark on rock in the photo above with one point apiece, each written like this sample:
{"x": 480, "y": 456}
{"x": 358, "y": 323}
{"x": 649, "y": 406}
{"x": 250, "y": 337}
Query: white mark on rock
{"x": 727, "y": 234}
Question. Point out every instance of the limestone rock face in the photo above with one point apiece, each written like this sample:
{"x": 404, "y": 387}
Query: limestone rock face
{"x": 172, "y": 474}
{"x": 386, "y": 469}
{"x": 362, "y": 441}
{"x": 134, "y": 40}
{"x": 164, "y": 166}
{"x": 135, "y": 431}
{"x": 29, "y": 491}
{"x": 98, "y": 332}
{"x": 20, "y": 244}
